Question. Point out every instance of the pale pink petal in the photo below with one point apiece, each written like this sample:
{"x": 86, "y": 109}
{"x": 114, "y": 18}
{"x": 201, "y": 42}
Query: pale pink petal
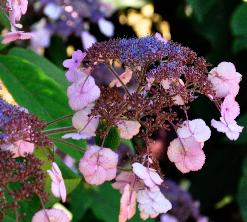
{"x": 63, "y": 192}
{"x": 178, "y": 100}
{"x": 98, "y": 165}
{"x": 125, "y": 77}
{"x": 13, "y": 36}
{"x": 127, "y": 177}
{"x": 57, "y": 185}
{"x": 54, "y": 215}
{"x": 83, "y": 93}
{"x": 187, "y": 154}
{"x": 151, "y": 204}
{"x": 127, "y": 204}
{"x": 232, "y": 130}
{"x": 229, "y": 109}
{"x": 128, "y": 128}
{"x": 84, "y": 123}
{"x": 149, "y": 176}
{"x": 196, "y": 128}
{"x": 225, "y": 79}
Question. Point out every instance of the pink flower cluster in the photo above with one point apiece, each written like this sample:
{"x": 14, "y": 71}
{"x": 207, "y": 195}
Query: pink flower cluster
{"x": 15, "y": 9}
{"x": 82, "y": 93}
{"x": 225, "y": 80}
{"x": 140, "y": 186}
{"x": 186, "y": 151}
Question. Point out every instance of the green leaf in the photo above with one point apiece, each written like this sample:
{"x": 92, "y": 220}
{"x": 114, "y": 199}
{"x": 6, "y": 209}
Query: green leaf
{"x": 106, "y": 204}
{"x": 239, "y": 20}
{"x": 4, "y": 21}
{"x": 112, "y": 140}
{"x": 242, "y": 192}
{"x": 47, "y": 67}
{"x": 33, "y": 89}
{"x": 81, "y": 200}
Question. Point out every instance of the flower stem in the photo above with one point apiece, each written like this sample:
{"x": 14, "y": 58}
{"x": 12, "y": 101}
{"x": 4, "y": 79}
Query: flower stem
{"x": 68, "y": 143}
{"x": 59, "y": 119}
{"x": 59, "y": 130}
{"x": 117, "y": 77}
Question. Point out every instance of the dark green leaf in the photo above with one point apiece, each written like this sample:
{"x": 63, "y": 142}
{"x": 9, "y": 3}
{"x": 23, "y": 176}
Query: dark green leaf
{"x": 48, "y": 68}
{"x": 4, "y": 21}
{"x": 239, "y": 20}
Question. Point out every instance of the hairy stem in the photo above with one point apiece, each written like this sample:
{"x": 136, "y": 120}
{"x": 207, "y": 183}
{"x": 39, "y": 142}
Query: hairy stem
{"x": 59, "y": 119}
{"x": 59, "y": 130}
{"x": 68, "y": 143}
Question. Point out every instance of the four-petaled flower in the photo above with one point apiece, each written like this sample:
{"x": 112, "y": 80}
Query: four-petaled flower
{"x": 98, "y": 165}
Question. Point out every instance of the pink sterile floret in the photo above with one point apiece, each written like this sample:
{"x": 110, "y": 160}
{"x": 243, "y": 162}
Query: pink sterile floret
{"x": 232, "y": 129}
{"x": 125, "y": 77}
{"x": 225, "y": 79}
{"x": 98, "y": 165}
{"x": 229, "y": 109}
{"x": 127, "y": 204}
{"x": 196, "y": 128}
{"x": 57, "y": 185}
{"x": 128, "y": 128}
{"x": 75, "y": 61}
{"x": 149, "y": 176}
{"x": 50, "y": 215}
{"x": 187, "y": 154}
{"x": 82, "y": 93}
{"x": 152, "y": 203}
{"x": 85, "y": 124}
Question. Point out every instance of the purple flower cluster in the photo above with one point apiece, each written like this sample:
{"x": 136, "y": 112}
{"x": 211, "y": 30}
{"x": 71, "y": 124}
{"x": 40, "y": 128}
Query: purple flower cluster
{"x": 71, "y": 17}
{"x": 183, "y": 205}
